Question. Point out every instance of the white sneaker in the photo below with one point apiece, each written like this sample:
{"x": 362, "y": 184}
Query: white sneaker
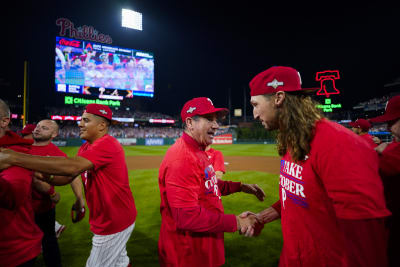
{"x": 60, "y": 230}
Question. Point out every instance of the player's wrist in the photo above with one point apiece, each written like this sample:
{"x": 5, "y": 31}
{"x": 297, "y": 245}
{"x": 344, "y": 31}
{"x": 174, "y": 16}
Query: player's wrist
{"x": 51, "y": 191}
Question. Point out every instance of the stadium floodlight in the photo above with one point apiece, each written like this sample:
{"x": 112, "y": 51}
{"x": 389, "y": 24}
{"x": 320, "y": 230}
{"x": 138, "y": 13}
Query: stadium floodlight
{"x": 131, "y": 19}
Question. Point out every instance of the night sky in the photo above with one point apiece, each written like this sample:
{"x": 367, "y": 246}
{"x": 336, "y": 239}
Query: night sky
{"x": 211, "y": 48}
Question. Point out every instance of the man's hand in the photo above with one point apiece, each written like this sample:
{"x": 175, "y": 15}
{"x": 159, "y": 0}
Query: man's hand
{"x": 55, "y": 197}
{"x": 376, "y": 140}
{"x": 5, "y": 158}
{"x": 253, "y": 189}
{"x": 79, "y": 204}
{"x": 246, "y": 225}
{"x": 381, "y": 147}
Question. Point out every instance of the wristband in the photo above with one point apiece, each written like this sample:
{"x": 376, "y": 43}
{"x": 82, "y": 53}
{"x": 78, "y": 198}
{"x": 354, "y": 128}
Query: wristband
{"x": 51, "y": 177}
{"x": 51, "y": 191}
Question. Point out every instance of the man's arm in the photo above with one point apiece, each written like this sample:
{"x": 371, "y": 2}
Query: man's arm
{"x": 51, "y": 165}
{"x": 76, "y": 187}
{"x": 45, "y": 188}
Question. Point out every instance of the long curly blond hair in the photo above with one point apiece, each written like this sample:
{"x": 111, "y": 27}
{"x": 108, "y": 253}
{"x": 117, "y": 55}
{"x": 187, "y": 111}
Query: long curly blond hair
{"x": 296, "y": 118}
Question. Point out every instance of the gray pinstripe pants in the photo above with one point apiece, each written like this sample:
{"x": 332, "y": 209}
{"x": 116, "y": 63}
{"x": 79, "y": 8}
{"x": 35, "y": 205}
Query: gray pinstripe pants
{"x": 110, "y": 250}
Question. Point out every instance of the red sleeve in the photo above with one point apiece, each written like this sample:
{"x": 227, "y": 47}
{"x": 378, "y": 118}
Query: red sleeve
{"x": 198, "y": 219}
{"x": 228, "y": 187}
{"x": 389, "y": 160}
{"x": 15, "y": 187}
{"x": 219, "y": 164}
{"x": 348, "y": 169}
{"x": 277, "y": 206}
{"x": 365, "y": 241}
{"x": 100, "y": 153}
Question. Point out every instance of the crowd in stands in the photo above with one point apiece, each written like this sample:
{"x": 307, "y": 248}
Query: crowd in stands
{"x": 376, "y": 103}
{"x": 72, "y": 131}
{"x": 117, "y": 113}
{"x": 145, "y": 132}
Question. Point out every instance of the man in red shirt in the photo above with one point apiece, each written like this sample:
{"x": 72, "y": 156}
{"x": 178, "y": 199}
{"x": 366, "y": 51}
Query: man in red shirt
{"x": 389, "y": 168}
{"x": 101, "y": 161}
{"x": 44, "y": 197}
{"x": 192, "y": 216}
{"x": 20, "y": 237}
{"x": 332, "y": 206}
{"x": 361, "y": 128}
{"x": 217, "y": 161}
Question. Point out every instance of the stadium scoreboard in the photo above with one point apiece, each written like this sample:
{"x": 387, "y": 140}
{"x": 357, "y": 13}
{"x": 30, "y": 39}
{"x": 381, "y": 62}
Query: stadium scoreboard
{"x": 101, "y": 70}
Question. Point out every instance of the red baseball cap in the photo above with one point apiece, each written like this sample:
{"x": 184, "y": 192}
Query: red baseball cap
{"x": 28, "y": 129}
{"x": 99, "y": 110}
{"x": 200, "y": 106}
{"x": 392, "y": 111}
{"x": 276, "y": 79}
{"x": 362, "y": 124}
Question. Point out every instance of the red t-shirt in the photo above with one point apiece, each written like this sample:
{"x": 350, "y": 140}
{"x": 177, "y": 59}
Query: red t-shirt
{"x": 20, "y": 237}
{"x": 187, "y": 180}
{"x": 216, "y": 159}
{"x": 338, "y": 180}
{"x": 389, "y": 168}
{"x": 41, "y": 202}
{"x": 368, "y": 138}
{"x": 108, "y": 195}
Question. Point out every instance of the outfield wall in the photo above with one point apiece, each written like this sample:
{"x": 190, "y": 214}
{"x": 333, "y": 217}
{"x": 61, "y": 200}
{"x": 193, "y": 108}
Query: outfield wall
{"x": 161, "y": 141}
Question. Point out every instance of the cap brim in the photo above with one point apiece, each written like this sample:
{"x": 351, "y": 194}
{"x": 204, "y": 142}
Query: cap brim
{"x": 353, "y": 124}
{"x": 384, "y": 118}
{"x": 304, "y": 91}
{"x": 221, "y": 112}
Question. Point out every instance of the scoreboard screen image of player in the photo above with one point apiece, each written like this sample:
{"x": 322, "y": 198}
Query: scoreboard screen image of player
{"x": 104, "y": 71}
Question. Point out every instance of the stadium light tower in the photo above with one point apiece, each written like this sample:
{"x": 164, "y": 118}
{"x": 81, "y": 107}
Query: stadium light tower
{"x": 131, "y": 19}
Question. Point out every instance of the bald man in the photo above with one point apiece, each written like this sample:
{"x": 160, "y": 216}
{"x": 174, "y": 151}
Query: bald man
{"x": 44, "y": 198}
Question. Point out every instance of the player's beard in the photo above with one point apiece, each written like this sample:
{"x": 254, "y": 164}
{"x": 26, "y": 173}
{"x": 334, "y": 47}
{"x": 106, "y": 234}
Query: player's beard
{"x": 41, "y": 138}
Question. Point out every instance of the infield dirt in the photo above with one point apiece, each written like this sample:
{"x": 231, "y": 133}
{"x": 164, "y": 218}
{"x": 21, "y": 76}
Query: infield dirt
{"x": 232, "y": 163}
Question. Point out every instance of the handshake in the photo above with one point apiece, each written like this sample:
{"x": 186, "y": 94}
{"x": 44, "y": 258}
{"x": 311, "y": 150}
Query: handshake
{"x": 249, "y": 224}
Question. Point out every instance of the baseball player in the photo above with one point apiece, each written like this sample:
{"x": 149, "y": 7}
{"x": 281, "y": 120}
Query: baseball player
{"x": 20, "y": 237}
{"x": 389, "y": 168}
{"x": 44, "y": 197}
{"x": 101, "y": 161}
{"x": 332, "y": 206}
{"x": 42, "y": 188}
{"x": 361, "y": 128}
{"x": 192, "y": 216}
{"x": 217, "y": 161}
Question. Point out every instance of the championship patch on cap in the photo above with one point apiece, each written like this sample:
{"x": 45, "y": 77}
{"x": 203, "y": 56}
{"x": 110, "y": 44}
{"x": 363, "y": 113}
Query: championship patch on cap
{"x": 191, "y": 109}
{"x": 274, "y": 83}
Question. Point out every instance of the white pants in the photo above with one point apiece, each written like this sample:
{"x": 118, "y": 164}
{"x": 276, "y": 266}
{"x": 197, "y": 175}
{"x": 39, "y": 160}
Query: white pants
{"x": 110, "y": 250}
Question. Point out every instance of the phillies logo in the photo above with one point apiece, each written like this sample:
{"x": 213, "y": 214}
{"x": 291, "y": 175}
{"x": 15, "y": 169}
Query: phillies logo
{"x": 211, "y": 182}
{"x": 83, "y": 32}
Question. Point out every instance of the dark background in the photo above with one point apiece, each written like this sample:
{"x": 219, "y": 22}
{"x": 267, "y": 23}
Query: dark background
{"x": 211, "y": 48}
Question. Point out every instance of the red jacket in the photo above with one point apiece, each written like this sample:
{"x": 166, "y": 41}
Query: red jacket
{"x": 20, "y": 237}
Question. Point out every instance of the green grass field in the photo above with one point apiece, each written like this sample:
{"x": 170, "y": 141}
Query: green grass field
{"x": 75, "y": 242}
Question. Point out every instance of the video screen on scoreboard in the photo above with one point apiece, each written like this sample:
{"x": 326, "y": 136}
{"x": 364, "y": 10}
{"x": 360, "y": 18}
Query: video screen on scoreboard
{"x": 109, "y": 72}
